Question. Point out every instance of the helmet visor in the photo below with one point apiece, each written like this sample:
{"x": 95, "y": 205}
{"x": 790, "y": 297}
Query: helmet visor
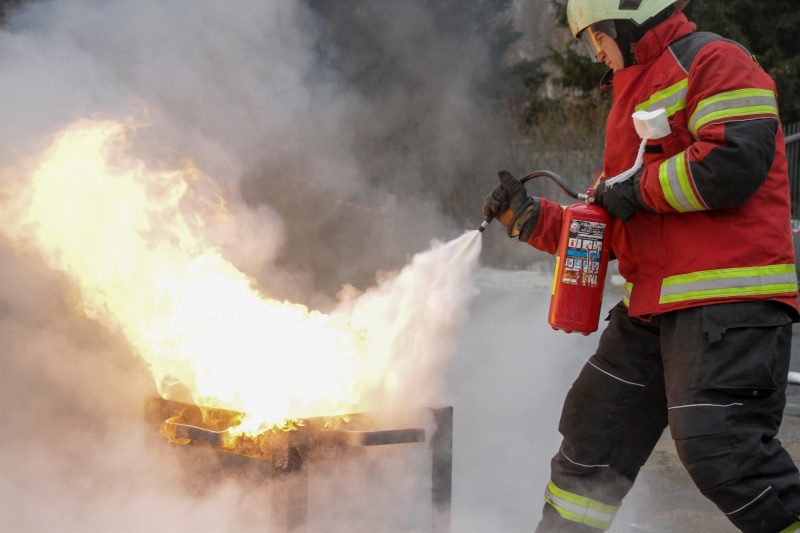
{"x": 597, "y": 36}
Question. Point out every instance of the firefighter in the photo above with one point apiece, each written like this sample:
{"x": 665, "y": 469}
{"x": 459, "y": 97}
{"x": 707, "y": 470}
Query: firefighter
{"x": 700, "y": 342}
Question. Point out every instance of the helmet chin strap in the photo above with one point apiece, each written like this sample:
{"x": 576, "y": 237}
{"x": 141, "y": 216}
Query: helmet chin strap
{"x": 625, "y": 46}
{"x": 629, "y": 33}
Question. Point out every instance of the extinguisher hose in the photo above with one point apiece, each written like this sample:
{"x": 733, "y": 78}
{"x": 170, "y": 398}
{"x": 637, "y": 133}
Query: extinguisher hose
{"x": 541, "y": 174}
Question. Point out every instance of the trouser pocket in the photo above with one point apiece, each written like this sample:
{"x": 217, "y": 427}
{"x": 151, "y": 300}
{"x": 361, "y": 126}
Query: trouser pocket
{"x": 744, "y": 349}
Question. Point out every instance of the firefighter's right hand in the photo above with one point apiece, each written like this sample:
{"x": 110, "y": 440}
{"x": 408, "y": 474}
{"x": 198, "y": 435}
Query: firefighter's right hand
{"x": 510, "y": 204}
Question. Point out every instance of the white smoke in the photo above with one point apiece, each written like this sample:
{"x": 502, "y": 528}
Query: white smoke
{"x": 415, "y": 318}
{"x": 239, "y": 88}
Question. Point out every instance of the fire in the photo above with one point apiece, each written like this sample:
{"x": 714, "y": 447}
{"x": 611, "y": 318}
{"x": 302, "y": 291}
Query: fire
{"x": 131, "y": 240}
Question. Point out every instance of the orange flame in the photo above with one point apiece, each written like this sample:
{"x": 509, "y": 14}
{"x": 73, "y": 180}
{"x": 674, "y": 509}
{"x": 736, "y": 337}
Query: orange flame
{"x": 130, "y": 238}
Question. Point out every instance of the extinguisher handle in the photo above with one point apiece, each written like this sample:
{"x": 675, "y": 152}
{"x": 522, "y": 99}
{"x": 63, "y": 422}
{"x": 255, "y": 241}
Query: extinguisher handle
{"x": 553, "y": 176}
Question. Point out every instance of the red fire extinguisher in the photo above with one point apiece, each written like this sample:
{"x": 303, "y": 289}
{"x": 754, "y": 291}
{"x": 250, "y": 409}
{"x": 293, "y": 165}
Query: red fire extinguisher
{"x": 581, "y": 264}
{"x": 584, "y": 249}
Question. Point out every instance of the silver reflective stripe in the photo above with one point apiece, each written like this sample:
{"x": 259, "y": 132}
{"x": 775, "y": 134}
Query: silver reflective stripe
{"x": 672, "y": 99}
{"x": 703, "y": 405}
{"x": 676, "y": 184}
{"x": 729, "y": 282}
{"x": 733, "y": 105}
{"x": 568, "y": 458}
{"x": 613, "y": 376}
{"x": 580, "y": 509}
{"x": 752, "y": 501}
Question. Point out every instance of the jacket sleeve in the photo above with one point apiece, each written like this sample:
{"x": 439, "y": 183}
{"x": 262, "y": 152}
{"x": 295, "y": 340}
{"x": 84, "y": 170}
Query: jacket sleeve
{"x": 732, "y": 117}
{"x": 546, "y": 234}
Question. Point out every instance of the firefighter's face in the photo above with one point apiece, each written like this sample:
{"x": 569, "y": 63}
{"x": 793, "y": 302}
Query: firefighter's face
{"x": 609, "y": 53}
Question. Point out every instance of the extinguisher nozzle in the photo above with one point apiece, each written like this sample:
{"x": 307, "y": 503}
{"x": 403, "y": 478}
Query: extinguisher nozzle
{"x": 485, "y": 223}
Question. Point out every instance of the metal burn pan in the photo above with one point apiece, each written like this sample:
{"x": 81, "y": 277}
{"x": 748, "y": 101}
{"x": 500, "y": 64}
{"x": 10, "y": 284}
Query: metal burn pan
{"x": 290, "y": 449}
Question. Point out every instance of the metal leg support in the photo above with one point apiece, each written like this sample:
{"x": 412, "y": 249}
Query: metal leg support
{"x": 441, "y": 445}
{"x": 289, "y": 482}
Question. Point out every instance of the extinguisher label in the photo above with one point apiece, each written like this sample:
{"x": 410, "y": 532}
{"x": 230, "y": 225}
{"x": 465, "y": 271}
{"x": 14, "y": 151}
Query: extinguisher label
{"x": 582, "y": 257}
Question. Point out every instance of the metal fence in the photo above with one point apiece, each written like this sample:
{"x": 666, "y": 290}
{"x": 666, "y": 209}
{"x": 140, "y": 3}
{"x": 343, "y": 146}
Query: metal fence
{"x": 792, "y": 134}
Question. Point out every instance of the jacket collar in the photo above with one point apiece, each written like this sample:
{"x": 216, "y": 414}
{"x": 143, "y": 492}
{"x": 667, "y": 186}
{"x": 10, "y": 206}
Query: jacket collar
{"x": 655, "y": 42}
{"x": 607, "y": 80}
{"x": 659, "y": 38}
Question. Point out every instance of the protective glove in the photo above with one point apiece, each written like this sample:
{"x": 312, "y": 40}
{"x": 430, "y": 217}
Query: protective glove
{"x": 620, "y": 200}
{"x": 510, "y": 204}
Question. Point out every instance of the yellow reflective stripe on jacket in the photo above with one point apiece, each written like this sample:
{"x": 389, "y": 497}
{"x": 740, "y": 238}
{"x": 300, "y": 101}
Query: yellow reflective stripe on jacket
{"x": 676, "y": 186}
{"x": 626, "y": 295}
{"x": 790, "y": 529}
{"x": 580, "y": 509}
{"x": 729, "y": 282}
{"x": 672, "y": 99}
{"x": 733, "y": 104}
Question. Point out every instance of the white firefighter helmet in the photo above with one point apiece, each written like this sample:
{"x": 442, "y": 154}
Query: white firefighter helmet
{"x": 583, "y": 13}
{"x": 597, "y": 15}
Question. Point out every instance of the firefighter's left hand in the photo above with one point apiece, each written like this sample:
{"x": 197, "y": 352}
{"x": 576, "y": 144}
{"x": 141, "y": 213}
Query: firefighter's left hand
{"x": 619, "y": 200}
{"x": 510, "y": 203}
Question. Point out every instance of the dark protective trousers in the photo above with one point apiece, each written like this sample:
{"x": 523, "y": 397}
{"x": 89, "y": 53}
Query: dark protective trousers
{"x": 717, "y": 376}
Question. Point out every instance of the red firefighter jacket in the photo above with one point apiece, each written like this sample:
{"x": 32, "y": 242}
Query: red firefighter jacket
{"x": 717, "y": 223}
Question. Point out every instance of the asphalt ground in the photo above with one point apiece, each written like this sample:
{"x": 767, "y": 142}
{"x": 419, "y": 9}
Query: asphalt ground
{"x": 668, "y": 501}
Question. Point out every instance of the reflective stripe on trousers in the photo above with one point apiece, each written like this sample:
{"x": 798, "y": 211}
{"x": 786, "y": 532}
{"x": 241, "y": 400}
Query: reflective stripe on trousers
{"x": 577, "y": 508}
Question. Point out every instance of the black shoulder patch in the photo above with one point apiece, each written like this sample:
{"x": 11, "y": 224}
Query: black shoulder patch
{"x": 687, "y": 48}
